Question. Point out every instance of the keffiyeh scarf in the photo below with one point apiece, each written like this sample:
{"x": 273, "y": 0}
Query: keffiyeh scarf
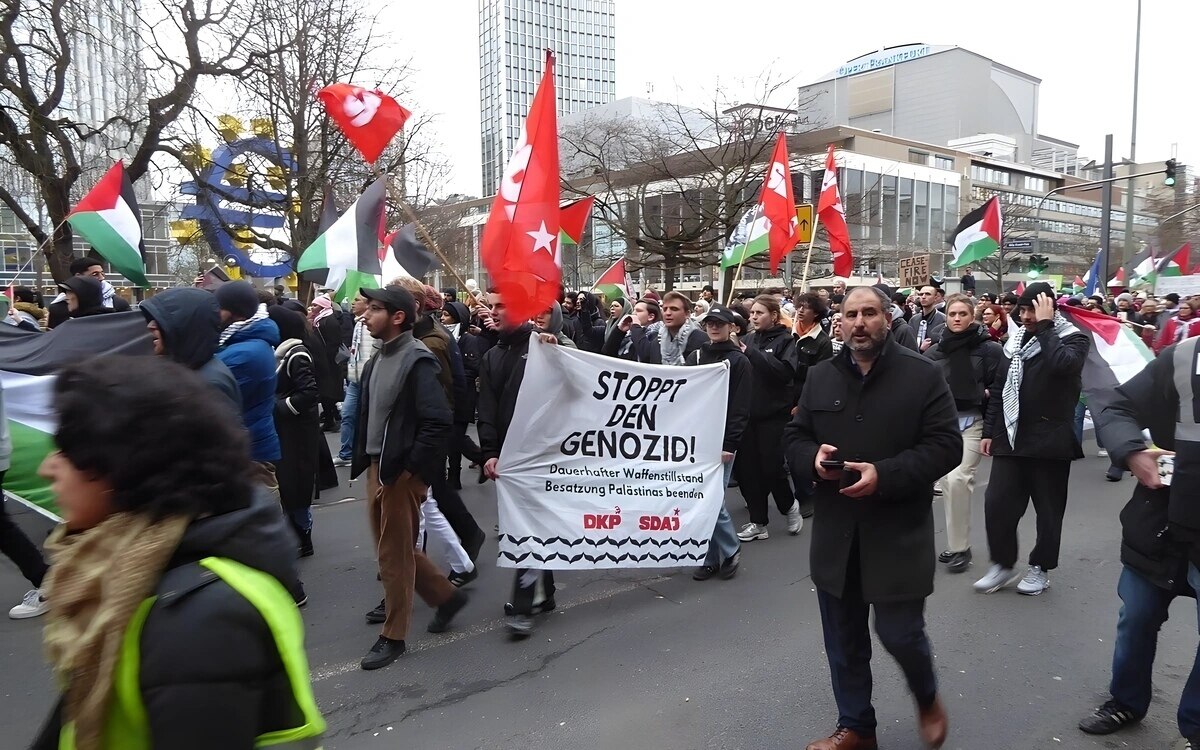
{"x": 1019, "y": 354}
{"x": 259, "y": 314}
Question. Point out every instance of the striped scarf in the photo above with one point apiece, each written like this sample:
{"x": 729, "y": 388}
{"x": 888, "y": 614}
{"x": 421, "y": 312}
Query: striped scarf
{"x": 1016, "y": 370}
{"x": 237, "y": 325}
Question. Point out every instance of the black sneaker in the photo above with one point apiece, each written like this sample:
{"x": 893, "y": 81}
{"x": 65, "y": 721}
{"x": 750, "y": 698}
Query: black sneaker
{"x": 472, "y": 548}
{"x": 519, "y": 626}
{"x": 306, "y": 545}
{"x": 959, "y": 561}
{"x": 462, "y": 579}
{"x": 299, "y": 596}
{"x": 806, "y": 508}
{"x": 445, "y": 613}
{"x": 384, "y": 652}
{"x": 546, "y": 605}
{"x": 1108, "y": 718}
{"x": 729, "y": 568}
{"x": 704, "y": 572}
{"x": 379, "y": 614}
{"x": 1114, "y": 474}
{"x": 945, "y": 555}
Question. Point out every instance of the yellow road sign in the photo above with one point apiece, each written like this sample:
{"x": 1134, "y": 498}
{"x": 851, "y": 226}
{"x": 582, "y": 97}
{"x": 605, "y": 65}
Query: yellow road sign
{"x": 804, "y": 226}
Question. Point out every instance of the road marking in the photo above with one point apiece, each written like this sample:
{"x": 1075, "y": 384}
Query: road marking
{"x": 353, "y": 666}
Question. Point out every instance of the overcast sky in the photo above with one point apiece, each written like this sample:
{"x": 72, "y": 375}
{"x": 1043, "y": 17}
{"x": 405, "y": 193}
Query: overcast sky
{"x": 683, "y": 50}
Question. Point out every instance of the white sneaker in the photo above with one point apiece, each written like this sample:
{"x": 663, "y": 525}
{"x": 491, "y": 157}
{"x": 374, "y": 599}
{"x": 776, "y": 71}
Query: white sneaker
{"x": 937, "y": 487}
{"x": 1035, "y": 582}
{"x": 33, "y": 605}
{"x": 1102, "y": 453}
{"x": 996, "y": 578}
{"x": 341, "y": 463}
{"x": 795, "y": 522}
{"x": 752, "y": 531}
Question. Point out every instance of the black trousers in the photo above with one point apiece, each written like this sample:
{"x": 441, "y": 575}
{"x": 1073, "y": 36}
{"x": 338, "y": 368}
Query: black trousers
{"x": 461, "y": 445}
{"x": 901, "y": 629}
{"x": 760, "y": 468}
{"x": 456, "y": 513}
{"x": 17, "y": 547}
{"x": 1014, "y": 482}
{"x": 530, "y": 588}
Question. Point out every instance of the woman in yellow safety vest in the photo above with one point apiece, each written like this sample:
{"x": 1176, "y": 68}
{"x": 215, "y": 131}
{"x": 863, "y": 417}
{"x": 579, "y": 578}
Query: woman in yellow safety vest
{"x": 170, "y": 625}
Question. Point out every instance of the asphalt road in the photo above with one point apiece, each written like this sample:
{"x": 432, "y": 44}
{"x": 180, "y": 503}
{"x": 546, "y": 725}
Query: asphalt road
{"x": 652, "y": 659}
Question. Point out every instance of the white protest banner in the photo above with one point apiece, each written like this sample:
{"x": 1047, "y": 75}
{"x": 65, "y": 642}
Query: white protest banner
{"x": 611, "y": 464}
{"x": 1184, "y": 286}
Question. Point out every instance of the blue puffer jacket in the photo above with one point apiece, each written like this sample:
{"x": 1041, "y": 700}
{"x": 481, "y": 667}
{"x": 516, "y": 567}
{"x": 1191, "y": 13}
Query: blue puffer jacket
{"x": 250, "y": 354}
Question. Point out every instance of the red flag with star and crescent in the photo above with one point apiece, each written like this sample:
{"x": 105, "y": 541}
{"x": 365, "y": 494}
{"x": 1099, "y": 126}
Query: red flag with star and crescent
{"x": 370, "y": 119}
{"x": 520, "y": 244}
{"x": 833, "y": 216}
{"x": 778, "y": 206}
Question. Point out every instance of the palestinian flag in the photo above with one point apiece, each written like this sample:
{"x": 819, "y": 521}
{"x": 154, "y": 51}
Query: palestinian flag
{"x": 572, "y": 218}
{"x": 751, "y": 237}
{"x": 978, "y": 234}
{"x": 1118, "y": 280}
{"x": 1177, "y": 263}
{"x": 352, "y": 243}
{"x": 1116, "y": 354}
{"x": 326, "y": 219}
{"x": 410, "y": 253}
{"x": 614, "y": 283}
{"x": 110, "y": 220}
{"x": 29, "y": 362}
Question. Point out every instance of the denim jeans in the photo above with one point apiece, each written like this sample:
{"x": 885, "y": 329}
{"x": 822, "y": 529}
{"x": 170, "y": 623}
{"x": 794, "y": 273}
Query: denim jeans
{"x": 349, "y": 421}
{"x": 724, "y": 543}
{"x": 1080, "y": 408}
{"x": 1189, "y": 702}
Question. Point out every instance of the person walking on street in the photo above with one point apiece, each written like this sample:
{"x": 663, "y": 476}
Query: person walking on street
{"x": 680, "y": 336}
{"x": 171, "y": 624}
{"x": 1029, "y": 432}
{"x": 297, "y": 423}
{"x": 185, "y": 324}
{"x": 813, "y": 346}
{"x": 635, "y": 337}
{"x": 473, "y": 346}
{"x": 875, "y": 457}
{"x": 928, "y": 321}
{"x": 973, "y": 366}
{"x": 724, "y": 549}
{"x": 404, "y": 428}
{"x": 362, "y": 347}
{"x": 770, "y": 347}
{"x": 324, "y": 319}
{"x": 92, "y": 268}
{"x": 1158, "y": 532}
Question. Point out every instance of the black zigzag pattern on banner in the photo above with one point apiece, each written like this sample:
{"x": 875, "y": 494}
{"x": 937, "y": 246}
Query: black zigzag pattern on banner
{"x": 697, "y": 556}
{"x": 606, "y": 540}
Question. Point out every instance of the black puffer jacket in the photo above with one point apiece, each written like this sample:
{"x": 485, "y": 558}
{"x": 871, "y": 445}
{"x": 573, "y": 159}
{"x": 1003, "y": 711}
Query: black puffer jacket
{"x": 772, "y": 355}
{"x": 499, "y": 381}
{"x": 737, "y": 408}
{"x": 210, "y": 674}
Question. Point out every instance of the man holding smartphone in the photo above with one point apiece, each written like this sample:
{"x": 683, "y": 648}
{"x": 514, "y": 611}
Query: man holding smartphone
{"x": 875, "y": 458}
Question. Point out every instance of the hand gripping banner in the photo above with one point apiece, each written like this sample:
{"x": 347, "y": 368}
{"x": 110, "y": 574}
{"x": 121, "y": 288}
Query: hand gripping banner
{"x": 611, "y": 464}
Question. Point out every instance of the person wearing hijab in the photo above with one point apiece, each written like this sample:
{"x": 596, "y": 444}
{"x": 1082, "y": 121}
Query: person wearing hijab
{"x": 329, "y": 372}
{"x": 699, "y": 311}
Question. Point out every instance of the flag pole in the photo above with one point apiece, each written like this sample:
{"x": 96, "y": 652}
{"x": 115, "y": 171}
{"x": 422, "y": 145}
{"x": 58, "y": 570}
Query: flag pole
{"x": 412, "y": 216}
{"x": 808, "y": 257}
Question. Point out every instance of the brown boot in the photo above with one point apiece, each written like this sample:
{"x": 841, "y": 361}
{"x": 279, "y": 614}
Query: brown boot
{"x": 934, "y": 723}
{"x": 844, "y": 739}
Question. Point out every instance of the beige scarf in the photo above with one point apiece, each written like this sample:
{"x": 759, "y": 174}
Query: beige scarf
{"x": 97, "y": 580}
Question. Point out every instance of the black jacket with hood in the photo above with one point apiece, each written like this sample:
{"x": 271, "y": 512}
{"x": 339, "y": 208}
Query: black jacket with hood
{"x": 210, "y": 674}
{"x": 737, "y": 407}
{"x": 499, "y": 382}
{"x": 57, "y": 312}
{"x": 472, "y": 348}
{"x": 772, "y": 355}
{"x": 189, "y": 321}
{"x": 90, "y": 295}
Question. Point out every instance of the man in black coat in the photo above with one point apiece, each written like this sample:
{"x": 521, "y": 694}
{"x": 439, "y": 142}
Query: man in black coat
{"x": 1154, "y": 557}
{"x": 873, "y": 523}
{"x": 87, "y": 266}
{"x": 1029, "y": 429}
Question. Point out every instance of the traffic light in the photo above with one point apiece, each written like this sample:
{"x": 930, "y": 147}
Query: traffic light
{"x": 1037, "y": 265}
{"x": 1169, "y": 180}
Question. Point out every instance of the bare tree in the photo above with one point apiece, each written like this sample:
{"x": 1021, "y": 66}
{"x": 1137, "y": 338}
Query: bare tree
{"x": 670, "y": 184}
{"x": 54, "y": 52}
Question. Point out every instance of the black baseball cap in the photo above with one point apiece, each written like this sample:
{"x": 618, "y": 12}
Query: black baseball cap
{"x": 720, "y": 312}
{"x": 395, "y": 297}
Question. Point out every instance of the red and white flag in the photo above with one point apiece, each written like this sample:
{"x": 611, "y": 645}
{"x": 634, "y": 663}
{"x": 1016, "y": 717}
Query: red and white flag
{"x": 370, "y": 119}
{"x": 833, "y": 216}
{"x": 520, "y": 244}
{"x": 778, "y": 205}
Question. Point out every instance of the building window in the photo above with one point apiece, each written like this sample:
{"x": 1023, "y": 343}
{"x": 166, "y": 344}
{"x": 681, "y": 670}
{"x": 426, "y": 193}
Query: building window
{"x": 918, "y": 157}
{"x": 890, "y": 211}
{"x": 921, "y": 213}
{"x": 943, "y": 162}
{"x": 906, "y": 211}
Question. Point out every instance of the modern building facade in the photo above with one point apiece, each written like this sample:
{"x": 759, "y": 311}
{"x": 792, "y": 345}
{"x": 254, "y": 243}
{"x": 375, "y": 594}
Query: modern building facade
{"x": 513, "y": 38}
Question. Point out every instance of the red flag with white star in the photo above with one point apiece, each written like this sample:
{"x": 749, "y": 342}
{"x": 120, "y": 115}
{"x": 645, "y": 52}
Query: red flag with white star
{"x": 370, "y": 119}
{"x": 778, "y": 205}
{"x": 520, "y": 244}
{"x": 833, "y": 217}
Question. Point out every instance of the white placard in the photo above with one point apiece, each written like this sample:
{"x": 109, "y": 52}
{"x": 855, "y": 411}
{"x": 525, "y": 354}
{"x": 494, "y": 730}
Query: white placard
{"x": 610, "y": 463}
{"x": 1182, "y": 285}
